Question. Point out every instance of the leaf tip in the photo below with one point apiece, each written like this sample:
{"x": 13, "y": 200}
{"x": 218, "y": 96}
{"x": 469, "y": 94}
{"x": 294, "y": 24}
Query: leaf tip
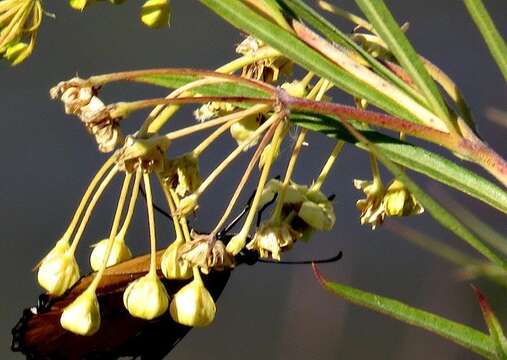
{"x": 486, "y": 309}
{"x": 318, "y": 275}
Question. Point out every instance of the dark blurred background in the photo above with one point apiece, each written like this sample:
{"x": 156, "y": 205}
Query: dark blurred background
{"x": 266, "y": 311}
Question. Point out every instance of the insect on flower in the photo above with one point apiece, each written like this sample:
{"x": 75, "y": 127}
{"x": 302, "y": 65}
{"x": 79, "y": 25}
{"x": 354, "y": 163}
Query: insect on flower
{"x": 39, "y": 335}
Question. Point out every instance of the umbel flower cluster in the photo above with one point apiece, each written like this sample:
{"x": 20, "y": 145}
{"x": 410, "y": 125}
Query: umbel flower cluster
{"x": 146, "y": 156}
{"x": 20, "y": 20}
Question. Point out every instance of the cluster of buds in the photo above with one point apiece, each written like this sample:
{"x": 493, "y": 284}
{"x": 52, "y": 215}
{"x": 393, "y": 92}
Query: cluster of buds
{"x": 299, "y": 210}
{"x": 303, "y": 210}
{"x": 380, "y": 202}
{"x": 19, "y": 23}
{"x": 154, "y": 13}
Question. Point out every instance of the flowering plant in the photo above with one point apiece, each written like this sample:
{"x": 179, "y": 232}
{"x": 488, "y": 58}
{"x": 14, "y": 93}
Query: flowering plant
{"x": 258, "y": 99}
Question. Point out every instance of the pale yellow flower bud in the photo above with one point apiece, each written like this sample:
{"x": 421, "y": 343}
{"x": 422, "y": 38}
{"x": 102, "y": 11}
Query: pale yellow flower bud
{"x": 119, "y": 252}
{"x": 82, "y": 316}
{"x": 155, "y": 13}
{"x": 236, "y": 244}
{"x": 172, "y": 266}
{"x": 146, "y": 297}
{"x": 193, "y": 305}
{"x": 243, "y": 129}
{"x": 188, "y": 204}
{"x": 78, "y": 4}
{"x": 58, "y": 271}
{"x": 61, "y": 247}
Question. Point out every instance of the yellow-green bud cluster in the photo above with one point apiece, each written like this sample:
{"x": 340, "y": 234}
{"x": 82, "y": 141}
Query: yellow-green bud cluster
{"x": 303, "y": 210}
{"x": 19, "y": 23}
{"x": 396, "y": 200}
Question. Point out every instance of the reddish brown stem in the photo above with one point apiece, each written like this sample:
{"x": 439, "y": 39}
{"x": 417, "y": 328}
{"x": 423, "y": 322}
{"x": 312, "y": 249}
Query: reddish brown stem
{"x": 373, "y": 118}
{"x": 143, "y": 75}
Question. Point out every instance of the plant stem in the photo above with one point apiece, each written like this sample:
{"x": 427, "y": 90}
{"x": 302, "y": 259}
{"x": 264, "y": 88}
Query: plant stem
{"x": 267, "y": 137}
{"x": 151, "y": 222}
{"x": 91, "y": 206}
{"x": 114, "y": 230}
{"x": 218, "y": 170}
{"x": 328, "y": 165}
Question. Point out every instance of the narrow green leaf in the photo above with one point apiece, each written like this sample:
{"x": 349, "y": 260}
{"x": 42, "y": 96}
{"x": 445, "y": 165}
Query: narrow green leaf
{"x": 438, "y": 212}
{"x": 463, "y": 335}
{"x": 310, "y": 16}
{"x": 219, "y": 89}
{"x": 244, "y": 18}
{"x": 384, "y": 23}
{"x": 415, "y": 158}
{"x": 492, "y": 37}
{"x": 495, "y": 329}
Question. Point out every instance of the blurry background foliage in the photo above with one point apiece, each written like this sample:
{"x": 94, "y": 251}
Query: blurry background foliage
{"x": 266, "y": 311}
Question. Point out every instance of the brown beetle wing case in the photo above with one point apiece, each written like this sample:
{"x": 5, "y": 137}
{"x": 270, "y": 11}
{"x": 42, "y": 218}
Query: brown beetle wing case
{"x": 39, "y": 334}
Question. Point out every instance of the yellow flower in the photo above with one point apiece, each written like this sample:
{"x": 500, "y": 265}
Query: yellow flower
{"x": 295, "y": 88}
{"x": 243, "y": 129}
{"x": 372, "y": 208}
{"x": 206, "y": 253}
{"x": 270, "y": 239}
{"x": 82, "y": 316}
{"x": 236, "y": 244}
{"x": 19, "y": 23}
{"x": 79, "y": 4}
{"x": 155, "y": 13}
{"x": 146, "y": 153}
{"x": 58, "y": 271}
{"x": 212, "y": 110}
{"x": 18, "y": 52}
{"x": 193, "y": 305}
{"x": 119, "y": 252}
{"x": 182, "y": 174}
{"x": 398, "y": 201}
{"x": 188, "y": 204}
{"x": 173, "y": 267}
{"x": 319, "y": 216}
{"x": 146, "y": 297}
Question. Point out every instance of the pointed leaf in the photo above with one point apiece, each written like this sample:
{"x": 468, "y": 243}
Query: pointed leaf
{"x": 495, "y": 329}
{"x": 310, "y": 16}
{"x": 384, "y": 23}
{"x": 492, "y": 37}
{"x": 465, "y": 336}
{"x": 246, "y": 19}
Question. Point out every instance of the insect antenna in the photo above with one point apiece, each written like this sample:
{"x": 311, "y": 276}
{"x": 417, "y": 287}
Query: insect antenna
{"x": 331, "y": 259}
